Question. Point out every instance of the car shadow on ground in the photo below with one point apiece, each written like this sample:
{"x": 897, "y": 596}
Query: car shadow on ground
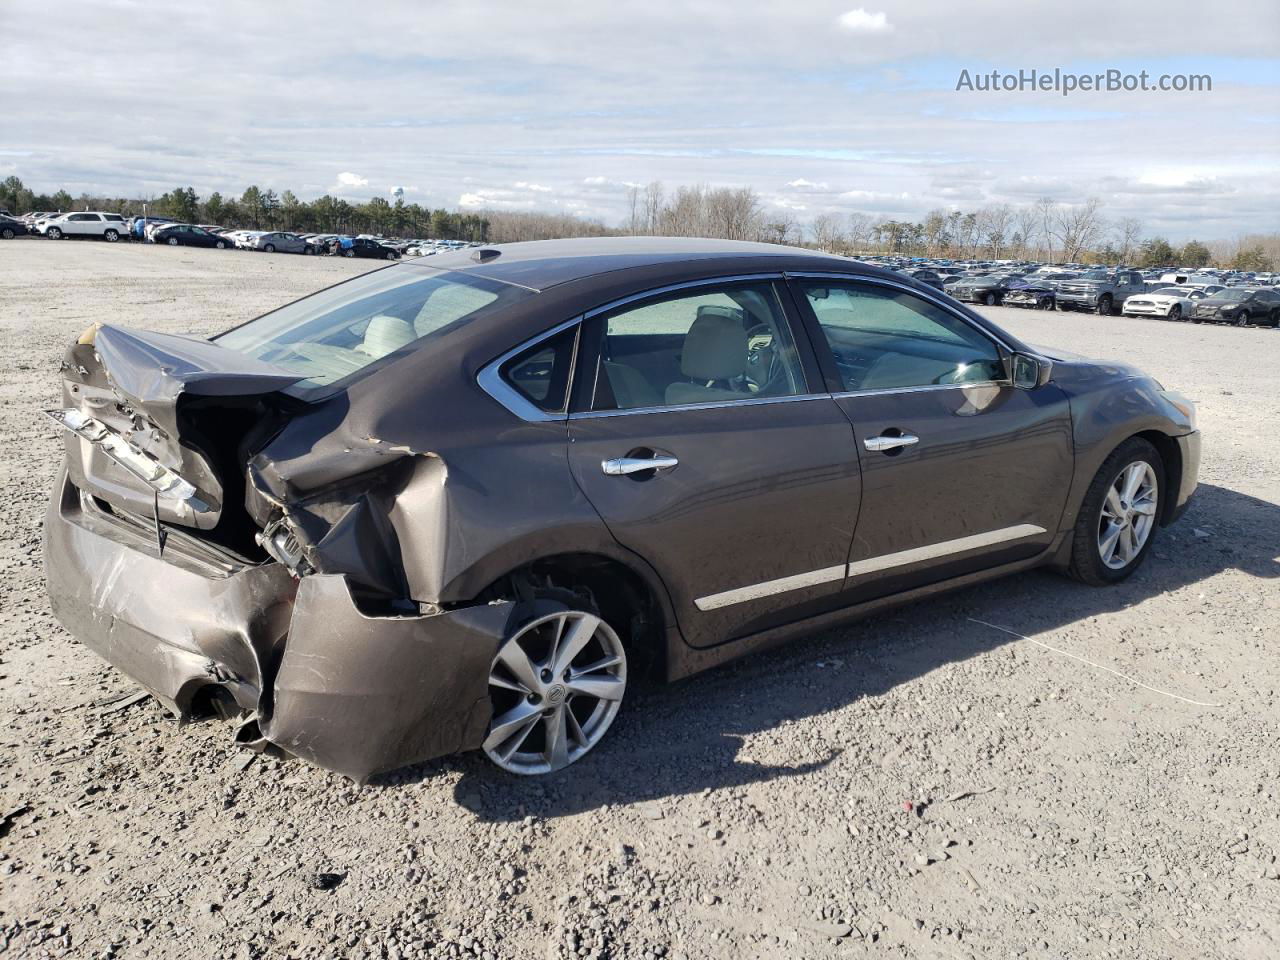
{"x": 687, "y": 737}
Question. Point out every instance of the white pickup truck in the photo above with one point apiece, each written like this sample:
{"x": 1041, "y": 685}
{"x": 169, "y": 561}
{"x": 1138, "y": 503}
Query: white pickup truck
{"x": 108, "y": 226}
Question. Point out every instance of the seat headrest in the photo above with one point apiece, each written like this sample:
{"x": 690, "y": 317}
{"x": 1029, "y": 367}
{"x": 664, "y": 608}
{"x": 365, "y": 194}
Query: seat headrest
{"x": 714, "y": 349}
{"x": 386, "y": 335}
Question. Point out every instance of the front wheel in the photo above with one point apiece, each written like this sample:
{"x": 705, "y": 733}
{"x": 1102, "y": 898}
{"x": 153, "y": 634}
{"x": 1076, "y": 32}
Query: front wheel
{"x": 556, "y": 685}
{"x": 53, "y": 233}
{"x": 1242, "y": 318}
{"x": 1119, "y": 516}
{"x": 348, "y": 253}
{"x": 221, "y": 245}
{"x": 6, "y": 233}
{"x": 989, "y": 299}
{"x": 172, "y": 241}
{"x": 269, "y": 248}
{"x": 1175, "y": 312}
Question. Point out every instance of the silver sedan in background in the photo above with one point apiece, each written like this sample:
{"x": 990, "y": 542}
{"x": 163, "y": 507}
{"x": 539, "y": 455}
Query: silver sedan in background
{"x": 278, "y": 242}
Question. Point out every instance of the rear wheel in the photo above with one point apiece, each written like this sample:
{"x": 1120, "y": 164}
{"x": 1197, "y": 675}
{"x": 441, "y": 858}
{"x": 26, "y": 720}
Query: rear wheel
{"x": 1119, "y": 516}
{"x": 111, "y": 236}
{"x": 172, "y": 241}
{"x": 348, "y": 252}
{"x": 6, "y": 233}
{"x": 556, "y": 684}
{"x": 220, "y": 244}
{"x": 1104, "y": 306}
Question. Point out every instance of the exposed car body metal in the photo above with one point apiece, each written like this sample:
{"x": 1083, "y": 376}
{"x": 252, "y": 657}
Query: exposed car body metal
{"x": 338, "y": 581}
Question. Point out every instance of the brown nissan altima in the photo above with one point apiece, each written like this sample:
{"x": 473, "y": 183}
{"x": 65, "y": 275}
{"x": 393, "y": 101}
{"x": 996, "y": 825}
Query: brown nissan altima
{"x": 462, "y": 504}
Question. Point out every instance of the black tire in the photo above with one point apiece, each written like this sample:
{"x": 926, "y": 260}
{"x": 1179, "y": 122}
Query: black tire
{"x": 53, "y": 233}
{"x": 6, "y": 233}
{"x": 1104, "y": 306}
{"x": 389, "y": 255}
{"x": 220, "y": 245}
{"x": 172, "y": 241}
{"x": 308, "y": 250}
{"x": 1275, "y": 319}
{"x": 269, "y": 248}
{"x": 348, "y": 252}
{"x": 989, "y": 299}
{"x": 1242, "y": 318}
{"x": 1175, "y": 312}
{"x": 1086, "y": 561}
{"x": 111, "y": 236}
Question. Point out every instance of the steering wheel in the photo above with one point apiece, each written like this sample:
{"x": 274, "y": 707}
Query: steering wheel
{"x": 762, "y": 357}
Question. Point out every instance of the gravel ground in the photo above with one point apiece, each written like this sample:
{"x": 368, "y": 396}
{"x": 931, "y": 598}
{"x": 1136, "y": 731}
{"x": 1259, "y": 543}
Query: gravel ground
{"x": 917, "y": 785}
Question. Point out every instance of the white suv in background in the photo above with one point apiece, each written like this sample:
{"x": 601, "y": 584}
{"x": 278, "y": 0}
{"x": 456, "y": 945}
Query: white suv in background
{"x": 108, "y": 226}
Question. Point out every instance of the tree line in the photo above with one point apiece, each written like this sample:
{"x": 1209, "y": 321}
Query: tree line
{"x": 1046, "y": 230}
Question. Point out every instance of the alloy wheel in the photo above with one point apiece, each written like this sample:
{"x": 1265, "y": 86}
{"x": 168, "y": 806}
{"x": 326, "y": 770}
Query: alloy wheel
{"x": 1128, "y": 514}
{"x": 556, "y": 687}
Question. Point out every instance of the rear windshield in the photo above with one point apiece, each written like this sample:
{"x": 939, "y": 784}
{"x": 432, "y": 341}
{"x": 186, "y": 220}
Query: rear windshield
{"x": 336, "y": 333}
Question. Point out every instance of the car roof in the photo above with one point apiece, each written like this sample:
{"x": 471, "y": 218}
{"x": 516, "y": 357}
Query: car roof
{"x": 540, "y": 264}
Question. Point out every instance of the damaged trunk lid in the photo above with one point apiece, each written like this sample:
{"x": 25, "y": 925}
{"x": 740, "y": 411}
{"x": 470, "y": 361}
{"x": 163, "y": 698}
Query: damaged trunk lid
{"x": 160, "y": 426}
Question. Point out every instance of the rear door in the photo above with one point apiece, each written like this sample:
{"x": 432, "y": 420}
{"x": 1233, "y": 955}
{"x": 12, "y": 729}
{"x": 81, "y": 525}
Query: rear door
{"x": 704, "y": 438}
{"x": 960, "y": 471}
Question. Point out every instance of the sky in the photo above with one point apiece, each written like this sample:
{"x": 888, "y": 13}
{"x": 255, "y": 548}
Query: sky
{"x": 821, "y": 107}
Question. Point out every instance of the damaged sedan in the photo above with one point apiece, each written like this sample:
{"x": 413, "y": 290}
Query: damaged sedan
{"x": 465, "y": 504}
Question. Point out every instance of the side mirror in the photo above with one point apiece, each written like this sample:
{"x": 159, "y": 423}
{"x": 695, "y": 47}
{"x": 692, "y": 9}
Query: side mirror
{"x": 1027, "y": 371}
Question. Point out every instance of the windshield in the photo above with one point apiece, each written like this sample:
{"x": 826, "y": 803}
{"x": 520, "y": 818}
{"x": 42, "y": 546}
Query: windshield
{"x": 337, "y": 332}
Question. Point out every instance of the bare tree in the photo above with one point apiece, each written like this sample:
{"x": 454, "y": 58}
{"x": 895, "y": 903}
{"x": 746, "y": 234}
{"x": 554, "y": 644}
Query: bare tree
{"x": 826, "y": 233}
{"x": 993, "y": 224}
{"x": 1025, "y": 221}
{"x": 1129, "y": 235}
{"x": 1046, "y": 214}
{"x": 857, "y": 230}
{"x": 1079, "y": 227}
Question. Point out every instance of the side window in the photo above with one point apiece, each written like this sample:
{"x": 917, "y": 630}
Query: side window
{"x": 705, "y": 345}
{"x": 883, "y": 339}
{"x": 541, "y": 374}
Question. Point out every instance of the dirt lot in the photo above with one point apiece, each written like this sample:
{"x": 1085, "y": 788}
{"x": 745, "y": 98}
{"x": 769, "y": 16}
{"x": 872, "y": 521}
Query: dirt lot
{"x": 918, "y": 785}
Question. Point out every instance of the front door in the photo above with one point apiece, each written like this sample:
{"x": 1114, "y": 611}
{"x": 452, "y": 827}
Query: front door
{"x": 960, "y": 471}
{"x": 708, "y": 446}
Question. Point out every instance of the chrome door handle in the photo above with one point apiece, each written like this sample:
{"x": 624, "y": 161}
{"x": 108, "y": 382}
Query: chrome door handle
{"x": 884, "y": 443}
{"x": 621, "y": 466}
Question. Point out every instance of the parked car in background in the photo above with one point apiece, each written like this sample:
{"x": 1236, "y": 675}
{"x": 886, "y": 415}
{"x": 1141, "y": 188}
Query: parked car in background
{"x": 1167, "y": 303}
{"x": 1240, "y": 306}
{"x": 1102, "y": 292}
{"x": 188, "y": 235}
{"x": 363, "y": 247}
{"x": 11, "y": 227}
{"x": 84, "y": 223}
{"x": 1036, "y": 293}
{"x": 990, "y": 289}
{"x": 931, "y": 277}
{"x": 138, "y": 226}
{"x": 277, "y": 241}
{"x": 643, "y": 456}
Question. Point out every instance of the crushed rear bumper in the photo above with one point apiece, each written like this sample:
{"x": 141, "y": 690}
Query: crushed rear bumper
{"x": 353, "y": 693}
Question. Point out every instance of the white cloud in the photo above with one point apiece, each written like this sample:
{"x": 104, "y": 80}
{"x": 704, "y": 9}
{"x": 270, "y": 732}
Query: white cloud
{"x": 860, "y": 21}
{"x": 808, "y": 186}
{"x": 347, "y": 179}
{"x": 535, "y": 187}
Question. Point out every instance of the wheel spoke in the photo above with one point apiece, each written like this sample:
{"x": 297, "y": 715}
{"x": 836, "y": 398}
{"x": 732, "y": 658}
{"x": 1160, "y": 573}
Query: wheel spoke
{"x": 1113, "y": 504}
{"x": 495, "y": 680}
{"x": 603, "y": 688}
{"x": 557, "y": 734}
{"x": 505, "y": 727}
{"x": 575, "y": 728}
{"x": 1146, "y": 507}
{"x": 1109, "y": 541}
{"x": 604, "y": 663}
{"x": 514, "y": 658}
{"x": 1133, "y": 476}
{"x": 571, "y": 644}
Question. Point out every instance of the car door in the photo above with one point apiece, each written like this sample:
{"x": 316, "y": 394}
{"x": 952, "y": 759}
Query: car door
{"x": 77, "y": 224}
{"x": 705, "y": 440}
{"x": 960, "y": 471}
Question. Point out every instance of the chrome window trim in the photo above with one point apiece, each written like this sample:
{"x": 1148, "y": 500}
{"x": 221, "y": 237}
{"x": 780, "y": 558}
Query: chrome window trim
{"x": 491, "y": 381}
{"x": 926, "y": 388}
{"x": 684, "y": 407}
{"x": 863, "y": 568}
{"x": 906, "y": 288}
